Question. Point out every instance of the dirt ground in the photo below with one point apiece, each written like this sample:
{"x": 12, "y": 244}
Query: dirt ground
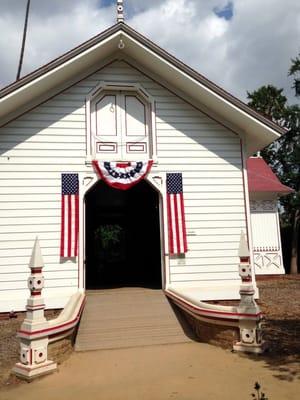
{"x": 181, "y": 371}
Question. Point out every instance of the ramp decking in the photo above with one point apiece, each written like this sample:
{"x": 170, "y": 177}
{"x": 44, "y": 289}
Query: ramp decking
{"x": 129, "y": 317}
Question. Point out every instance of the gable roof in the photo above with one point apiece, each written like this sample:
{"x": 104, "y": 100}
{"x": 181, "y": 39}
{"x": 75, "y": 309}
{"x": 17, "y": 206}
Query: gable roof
{"x": 259, "y": 130}
{"x": 261, "y": 178}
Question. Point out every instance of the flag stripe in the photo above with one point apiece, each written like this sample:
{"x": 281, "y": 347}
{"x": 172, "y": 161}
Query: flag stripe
{"x": 170, "y": 230}
{"x": 176, "y": 216}
{"x": 183, "y": 224}
{"x": 69, "y": 224}
{"x": 176, "y": 219}
{"x": 62, "y": 239}
{"x": 76, "y": 225}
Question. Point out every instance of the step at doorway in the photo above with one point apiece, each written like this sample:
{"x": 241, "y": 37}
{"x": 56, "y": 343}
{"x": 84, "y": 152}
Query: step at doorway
{"x": 129, "y": 317}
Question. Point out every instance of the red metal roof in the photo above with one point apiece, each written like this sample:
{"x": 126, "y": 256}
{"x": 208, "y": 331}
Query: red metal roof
{"x": 262, "y": 179}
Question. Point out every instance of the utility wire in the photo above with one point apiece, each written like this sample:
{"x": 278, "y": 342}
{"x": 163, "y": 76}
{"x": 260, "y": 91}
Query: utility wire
{"x": 23, "y": 41}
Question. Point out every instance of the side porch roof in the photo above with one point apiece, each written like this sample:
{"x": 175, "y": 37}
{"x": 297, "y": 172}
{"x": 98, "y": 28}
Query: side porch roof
{"x": 262, "y": 179}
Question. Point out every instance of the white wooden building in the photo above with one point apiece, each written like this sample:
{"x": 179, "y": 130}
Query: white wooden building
{"x": 265, "y": 189}
{"x": 119, "y": 97}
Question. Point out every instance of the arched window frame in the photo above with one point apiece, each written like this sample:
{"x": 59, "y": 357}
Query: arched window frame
{"x": 135, "y": 88}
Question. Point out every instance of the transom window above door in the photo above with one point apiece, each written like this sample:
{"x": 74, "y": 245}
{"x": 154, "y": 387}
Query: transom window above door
{"x": 121, "y": 125}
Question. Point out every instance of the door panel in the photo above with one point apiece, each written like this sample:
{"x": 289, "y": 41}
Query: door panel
{"x": 121, "y": 126}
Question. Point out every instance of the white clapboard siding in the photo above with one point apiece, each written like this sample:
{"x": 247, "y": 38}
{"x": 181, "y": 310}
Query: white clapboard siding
{"x": 57, "y": 167}
{"x": 171, "y": 165}
{"x": 223, "y": 224}
{"x": 49, "y": 275}
{"x": 213, "y": 217}
{"x": 54, "y": 117}
{"x": 192, "y": 144}
{"x": 17, "y": 139}
{"x": 61, "y": 124}
{"x": 51, "y": 139}
{"x": 15, "y": 205}
{"x": 199, "y": 246}
{"x": 196, "y": 193}
{"x": 27, "y": 220}
{"x": 214, "y": 262}
{"x": 214, "y": 230}
{"x": 26, "y": 132}
{"x": 31, "y": 182}
{"x": 7, "y": 229}
{"x": 57, "y": 283}
{"x": 31, "y": 190}
{"x": 40, "y": 146}
{"x": 221, "y": 239}
{"x": 42, "y": 233}
{"x": 217, "y": 276}
{"x": 195, "y": 269}
{"x": 48, "y": 259}
{"x": 30, "y": 212}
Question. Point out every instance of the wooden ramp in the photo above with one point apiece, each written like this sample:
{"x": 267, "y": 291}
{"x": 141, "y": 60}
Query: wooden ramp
{"x": 129, "y": 317}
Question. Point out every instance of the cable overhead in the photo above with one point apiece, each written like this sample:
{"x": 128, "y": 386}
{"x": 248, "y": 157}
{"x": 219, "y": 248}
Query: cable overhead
{"x": 23, "y": 41}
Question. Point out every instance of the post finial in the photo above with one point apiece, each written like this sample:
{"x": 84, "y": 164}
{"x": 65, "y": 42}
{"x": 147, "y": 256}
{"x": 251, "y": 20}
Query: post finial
{"x": 243, "y": 248}
{"x": 120, "y": 11}
{"x": 36, "y": 260}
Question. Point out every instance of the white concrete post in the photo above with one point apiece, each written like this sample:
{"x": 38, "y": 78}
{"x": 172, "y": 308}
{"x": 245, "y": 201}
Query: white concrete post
{"x": 33, "y": 354}
{"x": 250, "y": 315}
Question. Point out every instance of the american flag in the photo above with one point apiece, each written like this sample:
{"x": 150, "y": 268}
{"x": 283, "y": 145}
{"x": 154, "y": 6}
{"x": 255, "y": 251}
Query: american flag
{"x": 69, "y": 215}
{"x": 176, "y": 219}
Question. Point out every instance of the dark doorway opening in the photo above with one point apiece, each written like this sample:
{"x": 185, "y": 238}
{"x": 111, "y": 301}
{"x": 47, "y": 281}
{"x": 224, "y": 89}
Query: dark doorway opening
{"x": 122, "y": 237}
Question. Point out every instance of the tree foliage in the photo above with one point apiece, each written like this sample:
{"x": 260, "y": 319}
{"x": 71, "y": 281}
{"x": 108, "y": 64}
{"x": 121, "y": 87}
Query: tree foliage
{"x": 283, "y": 155}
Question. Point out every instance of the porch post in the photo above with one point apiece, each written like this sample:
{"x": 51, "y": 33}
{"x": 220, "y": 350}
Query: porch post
{"x": 33, "y": 352}
{"x": 249, "y": 312}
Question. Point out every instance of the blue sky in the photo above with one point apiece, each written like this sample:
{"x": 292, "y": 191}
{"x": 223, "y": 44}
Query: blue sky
{"x": 225, "y": 12}
{"x": 106, "y": 3}
{"x": 239, "y": 44}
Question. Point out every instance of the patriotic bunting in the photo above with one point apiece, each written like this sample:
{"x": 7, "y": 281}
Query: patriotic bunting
{"x": 69, "y": 215}
{"x": 122, "y": 175}
{"x": 176, "y": 218}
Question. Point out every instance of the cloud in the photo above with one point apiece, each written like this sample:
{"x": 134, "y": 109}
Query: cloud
{"x": 240, "y": 51}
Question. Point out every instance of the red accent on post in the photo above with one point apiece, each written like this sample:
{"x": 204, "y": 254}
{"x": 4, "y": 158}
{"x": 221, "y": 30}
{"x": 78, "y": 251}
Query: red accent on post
{"x": 244, "y": 259}
{"x": 36, "y": 270}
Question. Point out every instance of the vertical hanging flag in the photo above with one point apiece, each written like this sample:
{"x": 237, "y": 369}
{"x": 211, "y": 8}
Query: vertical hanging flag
{"x": 69, "y": 215}
{"x": 176, "y": 219}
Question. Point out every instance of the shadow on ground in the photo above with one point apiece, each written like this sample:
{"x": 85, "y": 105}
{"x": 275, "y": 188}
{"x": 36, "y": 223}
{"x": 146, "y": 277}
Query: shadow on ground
{"x": 280, "y": 303}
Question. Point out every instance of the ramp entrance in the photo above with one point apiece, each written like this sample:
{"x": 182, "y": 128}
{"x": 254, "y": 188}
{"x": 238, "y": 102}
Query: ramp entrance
{"x": 129, "y": 317}
{"x": 122, "y": 237}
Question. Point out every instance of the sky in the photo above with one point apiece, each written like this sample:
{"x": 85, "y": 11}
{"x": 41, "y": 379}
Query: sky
{"x": 240, "y": 44}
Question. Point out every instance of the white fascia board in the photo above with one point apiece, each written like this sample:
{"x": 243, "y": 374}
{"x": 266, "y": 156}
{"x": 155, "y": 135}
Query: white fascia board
{"x": 57, "y": 75}
{"x": 258, "y": 134}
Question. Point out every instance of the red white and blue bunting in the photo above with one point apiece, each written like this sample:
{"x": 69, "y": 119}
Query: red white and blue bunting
{"x": 122, "y": 175}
